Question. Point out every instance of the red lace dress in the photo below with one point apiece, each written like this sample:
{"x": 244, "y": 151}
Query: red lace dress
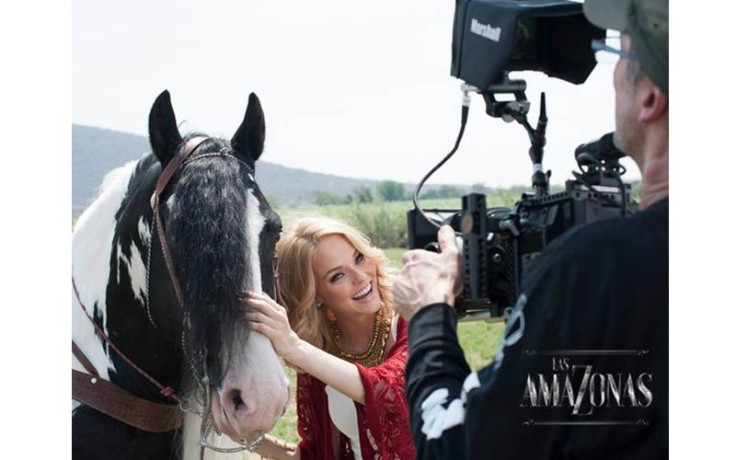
{"x": 383, "y": 422}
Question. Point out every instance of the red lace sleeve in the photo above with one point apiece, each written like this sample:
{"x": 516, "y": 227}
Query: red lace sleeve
{"x": 310, "y": 423}
{"x": 384, "y": 419}
{"x": 313, "y": 422}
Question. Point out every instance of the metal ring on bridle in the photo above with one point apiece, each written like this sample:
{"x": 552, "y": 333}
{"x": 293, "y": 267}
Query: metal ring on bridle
{"x": 208, "y": 426}
{"x": 244, "y": 444}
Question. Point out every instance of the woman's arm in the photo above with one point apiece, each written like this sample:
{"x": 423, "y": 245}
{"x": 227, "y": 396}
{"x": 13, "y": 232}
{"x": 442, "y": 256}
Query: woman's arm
{"x": 277, "y": 449}
{"x": 270, "y": 319}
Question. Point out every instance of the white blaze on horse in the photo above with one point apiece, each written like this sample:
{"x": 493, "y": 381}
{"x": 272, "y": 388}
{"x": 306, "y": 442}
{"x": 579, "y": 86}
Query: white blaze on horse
{"x": 159, "y": 333}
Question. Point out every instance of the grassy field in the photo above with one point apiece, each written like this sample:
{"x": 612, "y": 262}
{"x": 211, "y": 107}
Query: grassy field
{"x": 385, "y": 223}
{"x": 478, "y": 339}
{"x": 348, "y": 212}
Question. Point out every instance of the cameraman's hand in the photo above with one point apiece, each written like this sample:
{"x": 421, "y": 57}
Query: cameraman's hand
{"x": 428, "y": 277}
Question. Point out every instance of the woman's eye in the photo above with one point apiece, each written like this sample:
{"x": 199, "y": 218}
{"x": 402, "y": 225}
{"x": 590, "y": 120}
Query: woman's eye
{"x": 359, "y": 258}
{"x": 336, "y": 277}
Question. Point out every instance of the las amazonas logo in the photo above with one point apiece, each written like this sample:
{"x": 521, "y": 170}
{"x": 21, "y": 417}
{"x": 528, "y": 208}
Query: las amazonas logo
{"x": 584, "y": 390}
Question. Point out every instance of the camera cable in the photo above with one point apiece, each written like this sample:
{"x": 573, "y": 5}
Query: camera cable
{"x": 463, "y": 121}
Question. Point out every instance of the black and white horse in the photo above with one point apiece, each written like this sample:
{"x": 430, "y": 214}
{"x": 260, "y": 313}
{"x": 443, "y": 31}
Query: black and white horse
{"x": 221, "y": 234}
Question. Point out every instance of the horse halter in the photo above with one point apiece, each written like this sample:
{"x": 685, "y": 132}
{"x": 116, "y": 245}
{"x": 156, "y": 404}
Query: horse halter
{"x": 181, "y": 158}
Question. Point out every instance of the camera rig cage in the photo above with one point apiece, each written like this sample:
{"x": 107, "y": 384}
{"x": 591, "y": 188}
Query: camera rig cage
{"x": 490, "y": 39}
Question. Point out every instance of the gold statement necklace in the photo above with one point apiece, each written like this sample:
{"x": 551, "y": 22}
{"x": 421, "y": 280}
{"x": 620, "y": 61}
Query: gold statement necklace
{"x": 373, "y": 355}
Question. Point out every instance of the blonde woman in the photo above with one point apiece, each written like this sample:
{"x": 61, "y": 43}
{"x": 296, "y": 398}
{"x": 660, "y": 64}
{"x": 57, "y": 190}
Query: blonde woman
{"x": 338, "y": 328}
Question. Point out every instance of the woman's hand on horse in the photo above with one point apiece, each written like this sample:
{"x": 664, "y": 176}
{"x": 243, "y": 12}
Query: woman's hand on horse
{"x": 278, "y": 449}
{"x": 270, "y": 319}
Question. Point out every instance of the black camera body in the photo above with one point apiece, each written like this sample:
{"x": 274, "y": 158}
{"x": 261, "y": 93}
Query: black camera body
{"x": 490, "y": 39}
{"x": 499, "y": 243}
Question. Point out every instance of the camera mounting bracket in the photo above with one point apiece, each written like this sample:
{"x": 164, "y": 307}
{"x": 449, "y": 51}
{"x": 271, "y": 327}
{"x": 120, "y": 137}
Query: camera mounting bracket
{"x": 506, "y": 110}
{"x": 517, "y": 109}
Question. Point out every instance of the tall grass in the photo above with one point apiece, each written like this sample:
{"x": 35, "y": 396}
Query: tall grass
{"x": 385, "y": 222}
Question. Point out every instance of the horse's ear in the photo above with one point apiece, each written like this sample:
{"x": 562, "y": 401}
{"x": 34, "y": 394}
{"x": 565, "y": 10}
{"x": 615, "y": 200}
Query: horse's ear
{"x": 162, "y": 130}
{"x": 248, "y": 139}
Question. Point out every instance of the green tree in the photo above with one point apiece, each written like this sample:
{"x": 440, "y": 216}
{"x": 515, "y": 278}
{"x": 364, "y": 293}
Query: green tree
{"x": 322, "y": 198}
{"x": 449, "y": 191}
{"x": 363, "y": 194}
{"x": 430, "y": 194}
{"x": 391, "y": 190}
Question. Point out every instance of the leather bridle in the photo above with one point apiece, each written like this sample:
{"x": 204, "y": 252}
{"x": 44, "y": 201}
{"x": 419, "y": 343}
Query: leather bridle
{"x": 163, "y": 180}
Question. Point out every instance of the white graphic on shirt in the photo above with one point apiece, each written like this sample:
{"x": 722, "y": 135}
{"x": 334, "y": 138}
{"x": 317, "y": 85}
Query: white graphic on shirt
{"x": 437, "y": 415}
{"x": 436, "y": 418}
{"x": 510, "y": 338}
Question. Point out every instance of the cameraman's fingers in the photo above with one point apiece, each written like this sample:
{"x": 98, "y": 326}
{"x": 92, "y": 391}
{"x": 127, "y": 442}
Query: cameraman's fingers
{"x": 410, "y": 256}
{"x": 446, "y": 239}
{"x": 451, "y": 252}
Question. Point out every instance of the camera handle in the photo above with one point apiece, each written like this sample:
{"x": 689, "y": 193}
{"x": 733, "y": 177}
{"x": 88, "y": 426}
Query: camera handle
{"x": 517, "y": 110}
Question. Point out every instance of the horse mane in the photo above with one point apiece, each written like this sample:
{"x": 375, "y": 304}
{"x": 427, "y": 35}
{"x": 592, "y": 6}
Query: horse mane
{"x": 207, "y": 232}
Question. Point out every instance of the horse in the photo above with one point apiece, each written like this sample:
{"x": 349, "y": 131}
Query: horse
{"x": 159, "y": 269}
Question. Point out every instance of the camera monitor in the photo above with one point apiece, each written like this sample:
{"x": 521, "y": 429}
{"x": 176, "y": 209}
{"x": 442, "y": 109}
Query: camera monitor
{"x": 494, "y": 36}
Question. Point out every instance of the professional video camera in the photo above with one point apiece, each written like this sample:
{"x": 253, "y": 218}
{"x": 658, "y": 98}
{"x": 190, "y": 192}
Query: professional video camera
{"x": 490, "y": 39}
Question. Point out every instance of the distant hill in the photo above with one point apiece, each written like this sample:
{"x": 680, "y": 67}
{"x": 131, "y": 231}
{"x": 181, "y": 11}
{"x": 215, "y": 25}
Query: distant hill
{"x": 97, "y": 151}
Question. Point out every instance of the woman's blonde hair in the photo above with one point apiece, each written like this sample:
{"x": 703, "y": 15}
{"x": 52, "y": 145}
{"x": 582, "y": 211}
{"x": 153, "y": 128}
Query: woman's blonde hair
{"x": 296, "y": 250}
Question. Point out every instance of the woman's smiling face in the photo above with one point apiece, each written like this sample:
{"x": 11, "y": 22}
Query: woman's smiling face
{"x": 345, "y": 280}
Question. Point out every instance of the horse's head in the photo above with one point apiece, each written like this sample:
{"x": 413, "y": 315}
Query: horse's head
{"x": 222, "y": 234}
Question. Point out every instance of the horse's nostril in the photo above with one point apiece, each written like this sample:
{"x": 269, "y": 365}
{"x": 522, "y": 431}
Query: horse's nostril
{"x": 236, "y": 399}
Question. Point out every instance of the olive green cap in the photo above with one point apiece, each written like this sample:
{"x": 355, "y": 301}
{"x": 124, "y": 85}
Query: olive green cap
{"x": 647, "y": 23}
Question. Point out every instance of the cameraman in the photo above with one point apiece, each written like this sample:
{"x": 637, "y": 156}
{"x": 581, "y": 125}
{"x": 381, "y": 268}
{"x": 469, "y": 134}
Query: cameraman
{"x": 592, "y": 318}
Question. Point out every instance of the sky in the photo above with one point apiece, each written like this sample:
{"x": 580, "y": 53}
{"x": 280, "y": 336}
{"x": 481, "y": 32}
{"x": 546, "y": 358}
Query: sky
{"x": 353, "y": 89}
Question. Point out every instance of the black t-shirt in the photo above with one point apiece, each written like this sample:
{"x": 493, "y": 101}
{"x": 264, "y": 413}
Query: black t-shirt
{"x": 582, "y": 371}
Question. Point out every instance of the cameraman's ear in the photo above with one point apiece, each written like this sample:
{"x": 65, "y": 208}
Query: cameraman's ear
{"x": 655, "y": 103}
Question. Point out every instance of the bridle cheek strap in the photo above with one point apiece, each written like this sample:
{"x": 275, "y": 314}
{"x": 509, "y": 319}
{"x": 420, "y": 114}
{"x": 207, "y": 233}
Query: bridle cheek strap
{"x": 161, "y": 184}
